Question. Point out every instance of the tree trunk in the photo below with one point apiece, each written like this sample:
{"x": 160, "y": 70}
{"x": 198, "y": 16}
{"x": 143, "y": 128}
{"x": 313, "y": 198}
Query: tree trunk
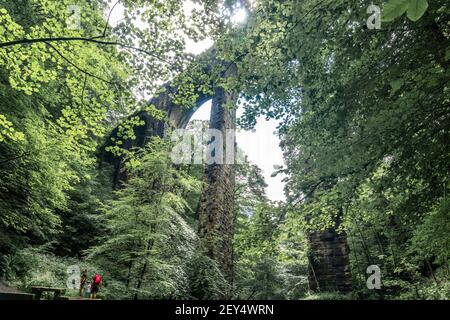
{"x": 143, "y": 270}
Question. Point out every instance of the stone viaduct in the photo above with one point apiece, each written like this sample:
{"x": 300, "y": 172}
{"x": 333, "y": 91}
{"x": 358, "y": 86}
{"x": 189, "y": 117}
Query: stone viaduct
{"x": 329, "y": 263}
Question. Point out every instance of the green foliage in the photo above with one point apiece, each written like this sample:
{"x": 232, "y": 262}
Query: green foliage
{"x": 430, "y": 239}
{"x": 364, "y": 125}
{"x": 270, "y": 247}
{"x": 395, "y": 8}
{"x": 270, "y": 256}
{"x": 83, "y": 222}
{"x": 328, "y": 296}
{"x": 36, "y": 171}
{"x": 37, "y": 267}
{"x": 7, "y": 130}
{"x": 205, "y": 280}
{"x": 31, "y": 267}
{"x": 147, "y": 237}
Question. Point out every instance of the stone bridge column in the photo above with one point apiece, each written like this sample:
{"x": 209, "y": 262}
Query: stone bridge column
{"x": 329, "y": 265}
{"x": 216, "y": 210}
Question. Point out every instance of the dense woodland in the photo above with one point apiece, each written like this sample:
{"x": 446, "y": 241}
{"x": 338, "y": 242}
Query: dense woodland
{"x": 364, "y": 119}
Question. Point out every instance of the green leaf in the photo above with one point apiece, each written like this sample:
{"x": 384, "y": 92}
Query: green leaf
{"x": 394, "y": 9}
{"x": 396, "y": 84}
{"x": 416, "y": 9}
{"x": 447, "y": 54}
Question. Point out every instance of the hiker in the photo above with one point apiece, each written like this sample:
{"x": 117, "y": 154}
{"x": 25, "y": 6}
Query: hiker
{"x": 95, "y": 285}
{"x": 87, "y": 293}
{"x": 83, "y": 280}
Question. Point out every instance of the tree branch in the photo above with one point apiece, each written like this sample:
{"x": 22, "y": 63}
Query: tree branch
{"x": 109, "y": 16}
{"x": 93, "y": 40}
{"x": 84, "y": 88}
{"x": 14, "y": 158}
{"x": 75, "y": 66}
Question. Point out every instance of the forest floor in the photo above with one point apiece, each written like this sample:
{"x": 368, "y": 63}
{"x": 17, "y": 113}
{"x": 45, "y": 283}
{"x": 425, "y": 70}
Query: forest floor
{"x": 6, "y": 289}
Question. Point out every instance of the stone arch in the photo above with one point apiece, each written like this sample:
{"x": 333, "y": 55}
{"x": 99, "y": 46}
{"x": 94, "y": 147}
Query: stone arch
{"x": 178, "y": 117}
{"x": 217, "y": 207}
{"x": 217, "y": 203}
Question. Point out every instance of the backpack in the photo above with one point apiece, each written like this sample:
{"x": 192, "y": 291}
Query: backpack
{"x": 97, "y": 279}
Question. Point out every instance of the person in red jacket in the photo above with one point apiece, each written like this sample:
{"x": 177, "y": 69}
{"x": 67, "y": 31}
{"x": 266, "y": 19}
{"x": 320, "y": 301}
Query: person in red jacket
{"x": 95, "y": 285}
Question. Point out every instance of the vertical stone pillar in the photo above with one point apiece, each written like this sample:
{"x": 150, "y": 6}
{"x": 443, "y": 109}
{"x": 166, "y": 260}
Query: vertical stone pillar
{"x": 216, "y": 209}
{"x": 329, "y": 265}
{"x": 217, "y": 206}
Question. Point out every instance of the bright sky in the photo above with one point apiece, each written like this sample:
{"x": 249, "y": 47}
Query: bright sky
{"x": 260, "y": 145}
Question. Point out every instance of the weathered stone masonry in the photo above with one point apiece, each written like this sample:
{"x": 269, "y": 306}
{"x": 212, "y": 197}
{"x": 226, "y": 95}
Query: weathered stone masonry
{"x": 216, "y": 210}
{"x": 329, "y": 266}
{"x": 329, "y": 263}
